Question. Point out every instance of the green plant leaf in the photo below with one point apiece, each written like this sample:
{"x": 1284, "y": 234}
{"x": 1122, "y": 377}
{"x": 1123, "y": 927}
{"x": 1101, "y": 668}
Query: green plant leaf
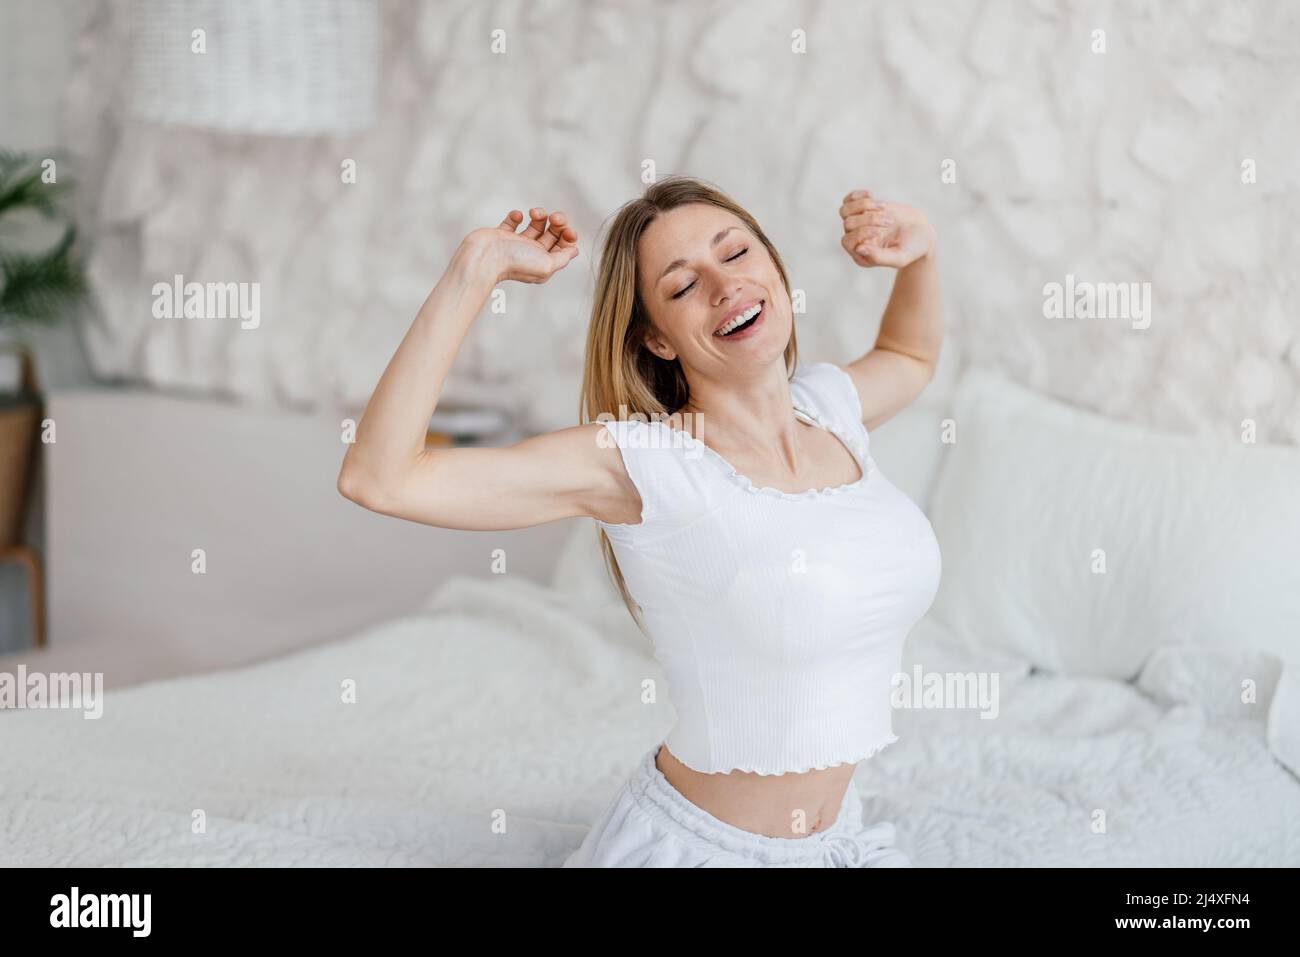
{"x": 21, "y": 186}
{"x": 41, "y": 288}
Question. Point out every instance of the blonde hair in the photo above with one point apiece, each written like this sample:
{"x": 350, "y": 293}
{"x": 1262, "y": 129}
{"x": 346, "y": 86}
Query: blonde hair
{"x": 619, "y": 373}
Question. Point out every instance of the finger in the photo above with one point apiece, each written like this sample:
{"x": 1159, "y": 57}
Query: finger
{"x": 884, "y": 255}
{"x": 568, "y": 237}
{"x": 561, "y": 256}
{"x": 536, "y": 224}
{"x": 868, "y": 255}
{"x": 872, "y": 242}
{"x": 876, "y": 234}
{"x": 869, "y": 218}
{"x": 860, "y": 249}
{"x": 554, "y": 229}
{"x": 856, "y": 194}
{"x": 860, "y": 206}
{"x": 512, "y": 221}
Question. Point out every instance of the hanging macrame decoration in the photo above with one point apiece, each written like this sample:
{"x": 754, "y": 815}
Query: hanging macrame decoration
{"x": 289, "y": 67}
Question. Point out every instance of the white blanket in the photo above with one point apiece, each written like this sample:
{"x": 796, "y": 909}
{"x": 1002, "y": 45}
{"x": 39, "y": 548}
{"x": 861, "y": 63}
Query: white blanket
{"x": 492, "y": 728}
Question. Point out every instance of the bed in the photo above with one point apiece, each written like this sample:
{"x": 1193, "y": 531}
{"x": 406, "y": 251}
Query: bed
{"x": 489, "y": 727}
{"x": 448, "y": 758}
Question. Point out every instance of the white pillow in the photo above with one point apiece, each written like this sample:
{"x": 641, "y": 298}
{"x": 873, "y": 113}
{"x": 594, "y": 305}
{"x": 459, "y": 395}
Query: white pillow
{"x": 1201, "y": 537}
{"x": 908, "y": 451}
{"x": 580, "y": 575}
{"x": 579, "y": 570}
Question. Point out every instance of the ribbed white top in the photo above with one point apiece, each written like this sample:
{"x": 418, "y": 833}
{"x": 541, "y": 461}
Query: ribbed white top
{"x": 778, "y": 617}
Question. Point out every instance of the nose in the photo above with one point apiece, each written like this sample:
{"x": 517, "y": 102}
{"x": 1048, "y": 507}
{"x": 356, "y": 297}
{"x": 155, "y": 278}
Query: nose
{"x": 735, "y": 292}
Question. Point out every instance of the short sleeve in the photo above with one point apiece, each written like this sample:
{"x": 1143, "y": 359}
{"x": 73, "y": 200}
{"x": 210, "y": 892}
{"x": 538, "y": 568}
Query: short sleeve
{"x": 831, "y": 393}
{"x": 673, "y": 492}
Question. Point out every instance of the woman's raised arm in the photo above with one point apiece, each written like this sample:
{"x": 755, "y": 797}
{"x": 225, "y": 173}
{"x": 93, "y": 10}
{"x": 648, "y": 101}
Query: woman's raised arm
{"x": 543, "y": 478}
{"x": 902, "y": 361}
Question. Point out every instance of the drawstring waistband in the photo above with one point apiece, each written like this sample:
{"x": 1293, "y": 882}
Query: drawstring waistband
{"x": 846, "y": 843}
{"x": 869, "y": 847}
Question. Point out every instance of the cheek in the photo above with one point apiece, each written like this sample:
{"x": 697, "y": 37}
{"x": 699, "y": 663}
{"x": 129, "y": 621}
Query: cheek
{"x": 677, "y": 321}
{"x": 772, "y": 280}
{"x": 784, "y": 307}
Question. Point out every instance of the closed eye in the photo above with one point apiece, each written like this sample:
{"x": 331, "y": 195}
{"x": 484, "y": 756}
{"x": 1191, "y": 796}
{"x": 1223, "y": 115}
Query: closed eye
{"x": 679, "y": 295}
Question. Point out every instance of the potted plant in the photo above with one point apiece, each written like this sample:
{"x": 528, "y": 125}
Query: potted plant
{"x": 39, "y": 285}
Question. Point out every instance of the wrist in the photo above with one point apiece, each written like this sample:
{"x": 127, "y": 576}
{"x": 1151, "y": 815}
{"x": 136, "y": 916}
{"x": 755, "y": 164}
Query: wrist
{"x": 474, "y": 261}
{"x": 931, "y": 252}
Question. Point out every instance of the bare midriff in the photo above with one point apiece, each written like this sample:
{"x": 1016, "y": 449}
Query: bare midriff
{"x": 792, "y": 805}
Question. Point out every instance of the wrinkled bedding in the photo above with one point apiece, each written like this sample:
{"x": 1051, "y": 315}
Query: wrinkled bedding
{"x": 491, "y": 728}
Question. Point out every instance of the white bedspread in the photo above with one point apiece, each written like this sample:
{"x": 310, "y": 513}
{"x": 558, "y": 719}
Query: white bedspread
{"x": 503, "y": 704}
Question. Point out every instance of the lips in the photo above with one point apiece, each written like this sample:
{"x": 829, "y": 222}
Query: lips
{"x": 743, "y": 323}
{"x": 737, "y": 311}
{"x": 750, "y": 328}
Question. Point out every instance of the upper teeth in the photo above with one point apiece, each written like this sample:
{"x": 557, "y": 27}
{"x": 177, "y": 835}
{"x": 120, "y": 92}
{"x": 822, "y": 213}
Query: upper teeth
{"x": 741, "y": 319}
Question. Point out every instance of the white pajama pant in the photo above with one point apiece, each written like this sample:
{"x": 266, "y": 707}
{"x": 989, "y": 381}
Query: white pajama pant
{"x": 650, "y": 824}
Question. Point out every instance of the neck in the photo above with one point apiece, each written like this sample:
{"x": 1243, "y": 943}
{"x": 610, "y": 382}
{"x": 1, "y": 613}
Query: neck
{"x": 753, "y": 416}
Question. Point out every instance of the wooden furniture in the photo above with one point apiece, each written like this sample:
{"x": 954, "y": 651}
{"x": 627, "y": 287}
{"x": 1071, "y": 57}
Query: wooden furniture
{"x": 36, "y": 582}
{"x": 20, "y": 418}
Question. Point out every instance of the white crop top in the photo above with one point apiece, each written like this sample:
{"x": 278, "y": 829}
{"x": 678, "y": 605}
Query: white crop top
{"x": 778, "y": 617}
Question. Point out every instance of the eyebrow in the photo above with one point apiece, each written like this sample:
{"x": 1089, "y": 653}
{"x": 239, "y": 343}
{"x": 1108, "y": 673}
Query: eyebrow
{"x": 679, "y": 263}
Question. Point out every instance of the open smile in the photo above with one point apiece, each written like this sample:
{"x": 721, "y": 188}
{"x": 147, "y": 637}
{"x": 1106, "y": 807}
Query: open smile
{"x": 743, "y": 325}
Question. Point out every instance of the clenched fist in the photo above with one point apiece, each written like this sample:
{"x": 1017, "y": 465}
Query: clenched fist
{"x": 877, "y": 233}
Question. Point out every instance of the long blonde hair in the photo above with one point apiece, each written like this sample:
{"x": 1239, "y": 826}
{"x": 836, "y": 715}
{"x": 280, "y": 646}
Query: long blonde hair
{"x": 618, "y": 371}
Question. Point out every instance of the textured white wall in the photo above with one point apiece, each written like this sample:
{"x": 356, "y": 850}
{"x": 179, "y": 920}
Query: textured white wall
{"x": 1122, "y": 166}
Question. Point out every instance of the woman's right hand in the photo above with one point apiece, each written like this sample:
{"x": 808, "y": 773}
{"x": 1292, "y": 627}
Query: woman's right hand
{"x": 536, "y": 254}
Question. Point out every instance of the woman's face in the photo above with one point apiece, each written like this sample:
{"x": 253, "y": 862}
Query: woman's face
{"x": 697, "y": 265}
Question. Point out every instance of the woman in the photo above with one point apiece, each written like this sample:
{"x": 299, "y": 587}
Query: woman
{"x": 775, "y": 569}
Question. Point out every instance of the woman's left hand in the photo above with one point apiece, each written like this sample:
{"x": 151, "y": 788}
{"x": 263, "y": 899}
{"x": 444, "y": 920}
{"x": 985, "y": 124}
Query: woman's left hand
{"x": 877, "y": 233}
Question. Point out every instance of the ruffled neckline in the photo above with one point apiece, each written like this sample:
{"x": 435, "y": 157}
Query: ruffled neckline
{"x": 730, "y": 472}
